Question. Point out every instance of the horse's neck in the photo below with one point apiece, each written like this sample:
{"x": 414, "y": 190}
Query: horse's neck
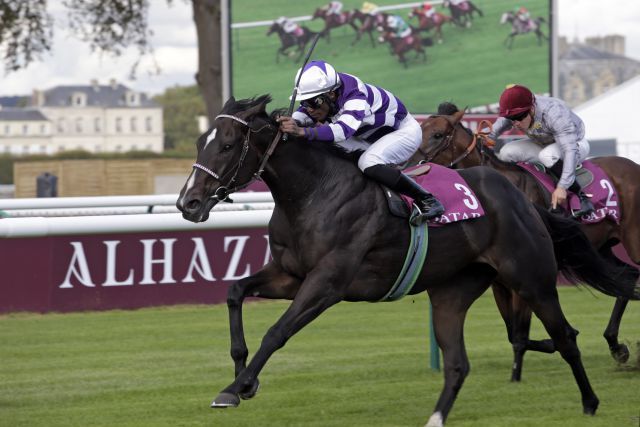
{"x": 300, "y": 176}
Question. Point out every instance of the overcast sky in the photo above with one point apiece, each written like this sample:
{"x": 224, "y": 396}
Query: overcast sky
{"x": 175, "y": 47}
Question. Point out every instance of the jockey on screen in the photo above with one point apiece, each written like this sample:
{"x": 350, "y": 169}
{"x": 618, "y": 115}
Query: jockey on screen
{"x": 554, "y": 137}
{"x": 340, "y": 108}
{"x": 287, "y": 25}
{"x": 334, "y": 8}
{"x": 400, "y": 28}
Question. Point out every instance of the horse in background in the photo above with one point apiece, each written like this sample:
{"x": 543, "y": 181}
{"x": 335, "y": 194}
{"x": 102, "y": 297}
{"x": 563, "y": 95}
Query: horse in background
{"x": 332, "y": 21}
{"x": 462, "y": 13}
{"x": 426, "y": 23}
{"x": 298, "y": 39}
{"x": 368, "y": 24}
{"x": 333, "y": 239}
{"x": 447, "y": 142}
{"x": 401, "y": 45}
{"x": 518, "y": 26}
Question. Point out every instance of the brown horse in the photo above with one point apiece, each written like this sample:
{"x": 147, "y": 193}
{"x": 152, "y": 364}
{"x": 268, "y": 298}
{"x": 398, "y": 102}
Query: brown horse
{"x": 287, "y": 40}
{"x": 519, "y": 27}
{"x": 462, "y": 14}
{"x": 447, "y": 142}
{"x": 333, "y": 239}
{"x": 401, "y": 45}
{"x": 332, "y": 21}
{"x": 426, "y": 23}
{"x": 368, "y": 24}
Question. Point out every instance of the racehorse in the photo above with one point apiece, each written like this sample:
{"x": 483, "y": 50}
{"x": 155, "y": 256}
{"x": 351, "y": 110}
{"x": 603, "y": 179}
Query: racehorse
{"x": 401, "y": 45}
{"x": 289, "y": 40}
{"x": 426, "y": 23}
{"x": 446, "y": 141}
{"x": 368, "y": 24}
{"x": 462, "y": 14}
{"x": 332, "y": 21}
{"x": 520, "y": 27}
{"x": 333, "y": 239}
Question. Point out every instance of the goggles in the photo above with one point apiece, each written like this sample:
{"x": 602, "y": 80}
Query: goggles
{"x": 518, "y": 117}
{"x": 313, "y": 103}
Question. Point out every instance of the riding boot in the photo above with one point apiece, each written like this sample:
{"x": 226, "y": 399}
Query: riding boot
{"x": 586, "y": 207}
{"x": 556, "y": 170}
{"x": 427, "y": 205}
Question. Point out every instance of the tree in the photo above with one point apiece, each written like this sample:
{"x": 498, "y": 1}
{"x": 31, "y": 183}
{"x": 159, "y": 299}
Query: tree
{"x": 26, "y": 32}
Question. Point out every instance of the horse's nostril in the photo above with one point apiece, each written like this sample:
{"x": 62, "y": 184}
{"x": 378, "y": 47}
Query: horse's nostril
{"x": 193, "y": 205}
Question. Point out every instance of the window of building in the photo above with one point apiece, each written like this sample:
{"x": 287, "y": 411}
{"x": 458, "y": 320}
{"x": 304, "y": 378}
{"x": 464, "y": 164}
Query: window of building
{"x": 25, "y": 129}
{"x": 97, "y": 124}
{"x": 118, "y": 124}
{"x": 79, "y": 125}
{"x": 43, "y": 129}
{"x": 134, "y": 124}
{"x": 61, "y": 125}
{"x": 7, "y": 129}
{"x": 148, "y": 125}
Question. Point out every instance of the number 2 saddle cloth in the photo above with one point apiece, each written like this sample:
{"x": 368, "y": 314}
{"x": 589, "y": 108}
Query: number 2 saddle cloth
{"x": 594, "y": 182}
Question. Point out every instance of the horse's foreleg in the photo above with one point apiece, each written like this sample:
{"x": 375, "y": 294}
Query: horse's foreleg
{"x": 620, "y": 352}
{"x": 314, "y": 296}
{"x": 450, "y": 304}
{"x": 269, "y": 282}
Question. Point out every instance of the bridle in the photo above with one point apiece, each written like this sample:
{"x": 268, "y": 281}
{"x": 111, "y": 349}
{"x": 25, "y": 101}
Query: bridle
{"x": 479, "y": 139}
{"x": 223, "y": 191}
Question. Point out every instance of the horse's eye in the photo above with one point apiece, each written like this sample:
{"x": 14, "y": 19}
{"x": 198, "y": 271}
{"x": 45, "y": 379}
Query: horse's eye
{"x": 226, "y": 147}
{"x": 437, "y": 135}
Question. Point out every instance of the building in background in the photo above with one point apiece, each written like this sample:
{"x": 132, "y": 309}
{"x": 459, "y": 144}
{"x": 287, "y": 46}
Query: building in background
{"x": 95, "y": 118}
{"x": 590, "y": 68}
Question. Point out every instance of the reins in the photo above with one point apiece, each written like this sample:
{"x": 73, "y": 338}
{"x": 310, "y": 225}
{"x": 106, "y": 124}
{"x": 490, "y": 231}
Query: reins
{"x": 222, "y": 192}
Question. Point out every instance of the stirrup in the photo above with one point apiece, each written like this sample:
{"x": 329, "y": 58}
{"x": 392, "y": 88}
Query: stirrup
{"x": 417, "y": 217}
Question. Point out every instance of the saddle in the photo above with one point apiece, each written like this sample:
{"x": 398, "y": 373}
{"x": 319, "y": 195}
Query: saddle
{"x": 583, "y": 175}
{"x": 397, "y": 206}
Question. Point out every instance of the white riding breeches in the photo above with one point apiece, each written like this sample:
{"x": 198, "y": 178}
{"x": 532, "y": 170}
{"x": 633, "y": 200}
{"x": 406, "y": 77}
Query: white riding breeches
{"x": 394, "y": 148}
{"x": 525, "y": 150}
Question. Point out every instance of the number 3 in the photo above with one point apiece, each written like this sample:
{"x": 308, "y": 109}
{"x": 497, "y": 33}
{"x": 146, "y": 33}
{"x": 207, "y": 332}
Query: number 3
{"x": 471, "y": 202}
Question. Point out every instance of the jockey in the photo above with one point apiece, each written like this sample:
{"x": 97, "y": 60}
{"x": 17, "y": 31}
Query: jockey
{"x": 428, "y": 10}
{"x": 554, "y": 137}
{"x": 400, "y": 28}
{"x": 523, "y": 15}
{"x": 334, "y": 8}
{"x": 339, "y": 108}
{"x": 369, "y": 8}
{"x": 287, "y": 25}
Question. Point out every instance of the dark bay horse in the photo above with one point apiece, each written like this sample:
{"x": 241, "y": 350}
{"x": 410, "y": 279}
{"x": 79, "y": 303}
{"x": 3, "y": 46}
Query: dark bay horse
{"x": 332, "y": 21}
{"x": 447, "y": 142}
{"x": 462, "y": 15}
{"x": 287, "y": 40}
{"x": 333, "y": 239}
{"x": 368, "y": 24}
{"x": 519, "y": 27}
{"x": 401, "y": 45}
{"x": 426, "y": 23}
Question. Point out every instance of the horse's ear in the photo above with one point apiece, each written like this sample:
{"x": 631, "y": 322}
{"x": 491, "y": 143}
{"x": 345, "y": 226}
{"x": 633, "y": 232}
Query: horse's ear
{"x": 455, "y": 118}
{"x": 260, "y": 107}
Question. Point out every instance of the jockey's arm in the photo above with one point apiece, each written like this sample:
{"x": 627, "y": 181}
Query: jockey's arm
{"x": 565, "y": 134}
{"x": 501, "y": 125}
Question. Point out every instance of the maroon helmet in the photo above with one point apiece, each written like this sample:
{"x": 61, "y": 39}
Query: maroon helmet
{"x": 515, "y": 100}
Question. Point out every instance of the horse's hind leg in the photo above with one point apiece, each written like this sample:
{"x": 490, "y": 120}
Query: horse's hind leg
{"x": 620, "y": 352}
{"x": 450, "y": 304}
{"x": 269, "y": 282}
{"x": 546, "y": 305}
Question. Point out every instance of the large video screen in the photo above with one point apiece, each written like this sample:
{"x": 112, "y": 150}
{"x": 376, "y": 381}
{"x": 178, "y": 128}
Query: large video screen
{"x": 468, "y": 62}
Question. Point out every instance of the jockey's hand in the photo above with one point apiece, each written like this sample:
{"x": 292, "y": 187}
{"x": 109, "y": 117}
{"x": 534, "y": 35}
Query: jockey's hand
{"x": 288, "y": 125}
{"x": 558, "y": 197}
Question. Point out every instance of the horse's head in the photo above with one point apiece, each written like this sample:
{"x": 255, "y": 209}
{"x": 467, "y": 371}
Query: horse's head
{"x": 273, "y": 28}
{"x": 439, "y": 140}
{"x": 506, "y": 17}
{"x": 319, "y": 13}
{"x": 414, "y": 12}
{"x": 229, "y": 154}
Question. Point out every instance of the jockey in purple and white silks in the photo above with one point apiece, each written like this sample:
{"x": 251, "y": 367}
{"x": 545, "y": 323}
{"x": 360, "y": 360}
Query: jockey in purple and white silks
{"x": 554, "y": 137}
{"x": 339, "y": 108}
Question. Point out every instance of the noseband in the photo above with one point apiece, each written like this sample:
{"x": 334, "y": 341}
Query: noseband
{"x": 223, "y": 191}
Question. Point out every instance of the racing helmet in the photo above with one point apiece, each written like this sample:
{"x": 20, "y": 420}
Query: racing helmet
{"x": 317, "y": 77}
{"x": 515, "y": 100}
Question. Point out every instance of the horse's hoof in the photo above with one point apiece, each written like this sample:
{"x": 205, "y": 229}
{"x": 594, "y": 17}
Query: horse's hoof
{"x": 621, "y": 354}
{"x": 590, "y": 406}
{"x": 226, "y": 400}
{"x": 246, "y": 395}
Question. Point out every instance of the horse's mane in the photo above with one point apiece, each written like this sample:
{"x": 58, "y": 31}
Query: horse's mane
{"x": 448, "y": 108}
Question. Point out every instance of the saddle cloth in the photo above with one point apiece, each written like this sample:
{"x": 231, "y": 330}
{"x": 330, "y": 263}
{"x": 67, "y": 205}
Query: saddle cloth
{"x": 594, "y": 182}
{"x": 460, "y": 202}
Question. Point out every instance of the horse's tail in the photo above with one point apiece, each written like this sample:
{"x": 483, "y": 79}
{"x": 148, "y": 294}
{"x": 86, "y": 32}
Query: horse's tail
{"x": 579, "y": 261}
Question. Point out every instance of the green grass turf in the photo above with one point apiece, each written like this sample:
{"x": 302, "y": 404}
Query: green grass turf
{"x": 359, "y": 364}
{"x": 470, "y": 68}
